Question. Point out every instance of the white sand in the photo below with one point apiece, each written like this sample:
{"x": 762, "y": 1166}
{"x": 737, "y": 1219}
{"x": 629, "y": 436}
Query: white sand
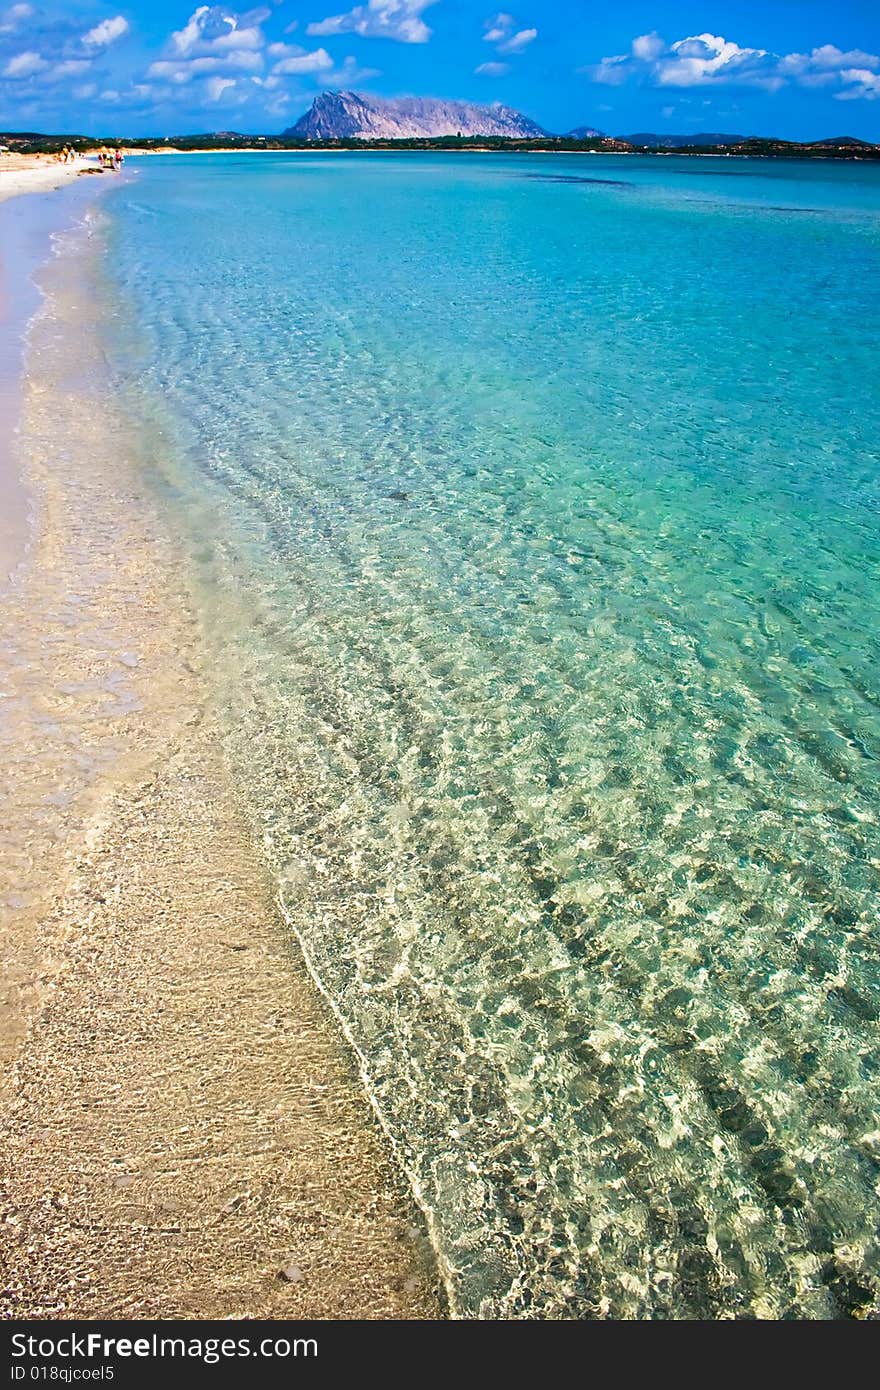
{"x": 24, "y": 174}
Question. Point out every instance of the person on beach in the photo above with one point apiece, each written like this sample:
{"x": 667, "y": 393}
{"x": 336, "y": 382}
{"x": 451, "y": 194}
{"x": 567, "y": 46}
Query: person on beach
{"x": 117, "y": 159}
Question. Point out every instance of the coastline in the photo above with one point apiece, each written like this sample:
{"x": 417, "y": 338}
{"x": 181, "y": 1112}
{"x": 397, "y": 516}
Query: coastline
{"x": 183, "y": 1130}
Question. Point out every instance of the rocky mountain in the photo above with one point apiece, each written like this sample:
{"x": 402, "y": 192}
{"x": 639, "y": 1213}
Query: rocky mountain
{"x": 586, "y": 132}
{"x": 354, "y": 116}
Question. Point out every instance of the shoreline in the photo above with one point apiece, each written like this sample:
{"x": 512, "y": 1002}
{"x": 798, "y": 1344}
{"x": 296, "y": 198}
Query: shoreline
{"x": 184, "y": 1133}
{"x": 28, "y": 226}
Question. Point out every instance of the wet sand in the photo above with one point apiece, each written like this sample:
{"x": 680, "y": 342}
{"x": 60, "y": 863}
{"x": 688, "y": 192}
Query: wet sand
{"x": 182, "y": 1131}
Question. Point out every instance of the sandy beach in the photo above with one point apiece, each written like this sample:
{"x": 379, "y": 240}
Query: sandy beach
{"x": 183, "y": 1130}
{"x": 34, "y": 173}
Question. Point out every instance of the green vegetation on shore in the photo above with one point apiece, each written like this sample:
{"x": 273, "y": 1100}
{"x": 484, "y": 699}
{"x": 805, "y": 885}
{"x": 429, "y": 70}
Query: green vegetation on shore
{"x": 839, "y": 147}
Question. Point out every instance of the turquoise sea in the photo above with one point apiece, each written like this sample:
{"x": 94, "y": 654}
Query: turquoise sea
{"x": 534, "y": 506}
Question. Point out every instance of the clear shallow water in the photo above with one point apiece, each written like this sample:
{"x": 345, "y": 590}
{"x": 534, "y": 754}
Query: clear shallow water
{"x": 28, "y": 225}
{"x": 535, "y": 509}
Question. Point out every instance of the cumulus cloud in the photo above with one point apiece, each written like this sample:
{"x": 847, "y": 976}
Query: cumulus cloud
{"x": 611, "y": 72}
{"x": 181, "y": 71}
{"x": 107, "y": 32}
{"x": 292, "y": 60}
{"x": 828, "y": 58}
{"x": 214, "y": 43}
{"x": 379, "y": 19}
{"x": 647, "y": 47}
{"x": 301, "y": 61}
{"x": 492, "y": 69}
{"x": 212, "y": 29}
{"x": 216, "y": 86}
{"x": 502, "y": 31}
{"x": 703, "y": 60}
{"x": 865, "y": 84}
{"x": 24, "y": 65}
{"x": 517, "y": 42}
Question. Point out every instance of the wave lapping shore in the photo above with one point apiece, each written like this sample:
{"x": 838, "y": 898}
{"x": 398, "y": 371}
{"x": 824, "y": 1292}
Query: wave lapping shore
{"x": 181, "y": 1130}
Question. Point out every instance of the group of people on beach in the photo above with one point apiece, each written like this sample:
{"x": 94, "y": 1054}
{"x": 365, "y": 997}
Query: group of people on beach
{"x": 107, "y": 158}
{"x": 110, "y": 159}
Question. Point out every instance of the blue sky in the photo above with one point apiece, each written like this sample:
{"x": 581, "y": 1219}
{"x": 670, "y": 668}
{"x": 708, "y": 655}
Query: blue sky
{"x": 771, "y": 67}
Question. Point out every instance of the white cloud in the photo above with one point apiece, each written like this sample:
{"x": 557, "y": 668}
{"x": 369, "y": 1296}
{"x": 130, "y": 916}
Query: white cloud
{"x": 611, "y": 72}
{"x": 215, "y": 43}
{"x": 866, "y": 84}
{"x": 303, "y": 62}
{"x": 237, "y": 39}
{"x": 85, "y": 92}
{"x": 827, "y": 58}
{"x": 212, "y": 29}
{"x": 380, "y": 19}
{"x": 216, "y": 86}
{"x": 291, "y": 59}
{"x": 184, "y": 70}
{"x": 647, "y": 47}
{"x": 517, "y": 42}
{"x": 351, "y": 72}
{"x": 107, "y": 32}
{"x": 502, "y": 31}
{"x": 184, "y": 40}
{"x": 703, "y": 60}
{"x": 137, "y": 95}
{"x": 492, "y": 70}
{"x": 14, "y": 17}
{"x": 706, "y": 57}
{"x": 499, "y": 28}
{"x": 70, "y": 67}
{"x": 24, "y": 65}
